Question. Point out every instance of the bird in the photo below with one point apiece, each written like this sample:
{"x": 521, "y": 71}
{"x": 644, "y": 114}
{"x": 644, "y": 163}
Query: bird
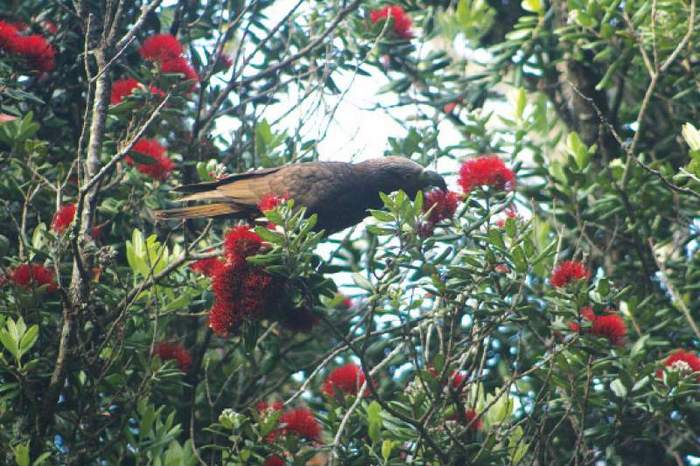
{"x": 339, "y": 193}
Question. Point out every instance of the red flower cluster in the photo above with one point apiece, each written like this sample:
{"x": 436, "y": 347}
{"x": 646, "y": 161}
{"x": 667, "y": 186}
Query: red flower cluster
{"x": 300, "y": 422}
{"x": 206, "y": 267}
{"x": 456, "y": 377}
{"x": 683, "y": 361}
{"x": 273, "y": 460}
{"x": 297, "y": 421}
{"x": 160, "y": 168}
{"x": 166, "y": 351}
{"x": 610, "y": 326}
{"x": 34, "y": 48}
{"x": 270, "y": 201}
{"x": 63, "y": 218}
{"x": 347, "y": 379}
{"x": 122, "y": 88}
{"x": 511, "y": 212}
{"x": 241, "y": 291}
{"x": 32, "y": 275}
{"x": 167, "y": 51}
{"x": 470, "y": 416}
{"x": 487, "y": 170}
{"x": 401, "y": 21}
{"x": 567, "y": 272}
{"x": 442, "y": 203}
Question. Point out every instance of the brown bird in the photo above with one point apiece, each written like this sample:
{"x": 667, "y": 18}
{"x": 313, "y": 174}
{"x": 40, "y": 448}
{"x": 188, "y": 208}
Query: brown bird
{"x": 338, "y": 192}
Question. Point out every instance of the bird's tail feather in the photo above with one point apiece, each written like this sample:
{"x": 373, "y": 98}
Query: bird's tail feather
{"x": 199, "y": 211}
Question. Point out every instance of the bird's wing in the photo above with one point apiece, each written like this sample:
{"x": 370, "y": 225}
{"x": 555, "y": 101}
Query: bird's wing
{"x": 244, "y": 189}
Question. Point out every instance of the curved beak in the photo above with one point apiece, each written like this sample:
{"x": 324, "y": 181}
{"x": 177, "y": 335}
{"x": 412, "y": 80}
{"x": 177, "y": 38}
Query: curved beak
{"x": 434, "y": 179}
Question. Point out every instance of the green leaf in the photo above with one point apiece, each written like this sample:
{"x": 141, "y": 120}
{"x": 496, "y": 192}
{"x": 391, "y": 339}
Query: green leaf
{"x": 374, "y": 420}
{"x": 21, "y": 451}
{"x": 618, "y": 388}
{"x": 387, "y": 448}
{"x": 691, "y": 135}
{"x": 533, "y": 6}
{"x": 361, "y": 281}
{"x": 28, "y": 340}
{"x": 578, "y": 150}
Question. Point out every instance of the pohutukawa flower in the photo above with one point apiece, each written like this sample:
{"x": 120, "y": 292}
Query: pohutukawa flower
{"x": 274, "y": 460}
{"x": 172, "y": 351}
{"x": 470, "y": 416}
{"x": 347, "y": 379}
{"x": 270, "y": 201}
{"x": 63, "y": 218}
{"x": 161, "y": 167}
{"x": 206, "y": 267}
{"x": 567, "y": 272}
{"x": 241, "y": 242}
{"x": 179, "y": 65}
{"x": 263, "y": 406}
{"x": 511, "y": 212}
{"x": 39, "y": 53}
{"x": 401, "y": 22}
{"x": 487, "y": 170}
{"x": 442, "y": 203}
{"x": 32, "y": 276}
{"x": 300, "y": 422}
{"x": 241, "y": 291}
{"x": 161, "y": 47}
{"x": 123, "y": 88}
{"x": 685, "y": 362}
{"x": 610, "y": 325}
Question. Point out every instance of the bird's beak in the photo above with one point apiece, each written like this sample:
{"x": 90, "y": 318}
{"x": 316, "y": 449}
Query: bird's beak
{"x": 434, "y": 179}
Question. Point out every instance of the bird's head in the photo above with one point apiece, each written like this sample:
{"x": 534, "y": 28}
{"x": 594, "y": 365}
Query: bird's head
{"x": 391, "y": 174}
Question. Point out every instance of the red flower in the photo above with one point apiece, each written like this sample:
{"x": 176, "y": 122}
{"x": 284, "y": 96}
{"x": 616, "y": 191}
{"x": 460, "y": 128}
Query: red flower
{"x": 160, "y": 168}
{"x": 166, "y": 351}
{"x": 456, "y": 377}
{"x": 161, "y": 47}
{"x": 347, "y": 379}
{"x": 301, "y": 422}
{"x": 240, "y": 292}
{"x": 37, "y": 50}
{"x": 49, "y": 26}
{"x": 567, "y": 272}
{"x": 588, "y": 314}
{"x": 96, "y": 231}
{"x": 241, "y": 242}
{"x": 9, "y": 37}
{"x": 264, "y": 406}
{"x": 179, "y": 65}
{"x": 487, "y": 170}
{"x": 63, "y": 218}
{"x": 401, "y": 21}
{"x": 686, "y": 362}
{"x": 610, "y": 326}
{"x": 226, "y": 61}
{"x": 29, "y": 275}
{"x": 449, "y": 107}
{"x": 273, "y": 460}
{"x": 270, "y": 201}
{"x": 511, "y": 212}
{"x": 425, "y": 229}
{"x": 206, "y": 267}
{"x": 123, "y": 88}
{"x": 443, "y": 204}
{"x": 471, "y": 418}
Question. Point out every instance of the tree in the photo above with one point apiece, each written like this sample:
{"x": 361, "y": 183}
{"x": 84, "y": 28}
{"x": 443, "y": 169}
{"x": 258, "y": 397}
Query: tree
{"x": 543, "y": 312}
